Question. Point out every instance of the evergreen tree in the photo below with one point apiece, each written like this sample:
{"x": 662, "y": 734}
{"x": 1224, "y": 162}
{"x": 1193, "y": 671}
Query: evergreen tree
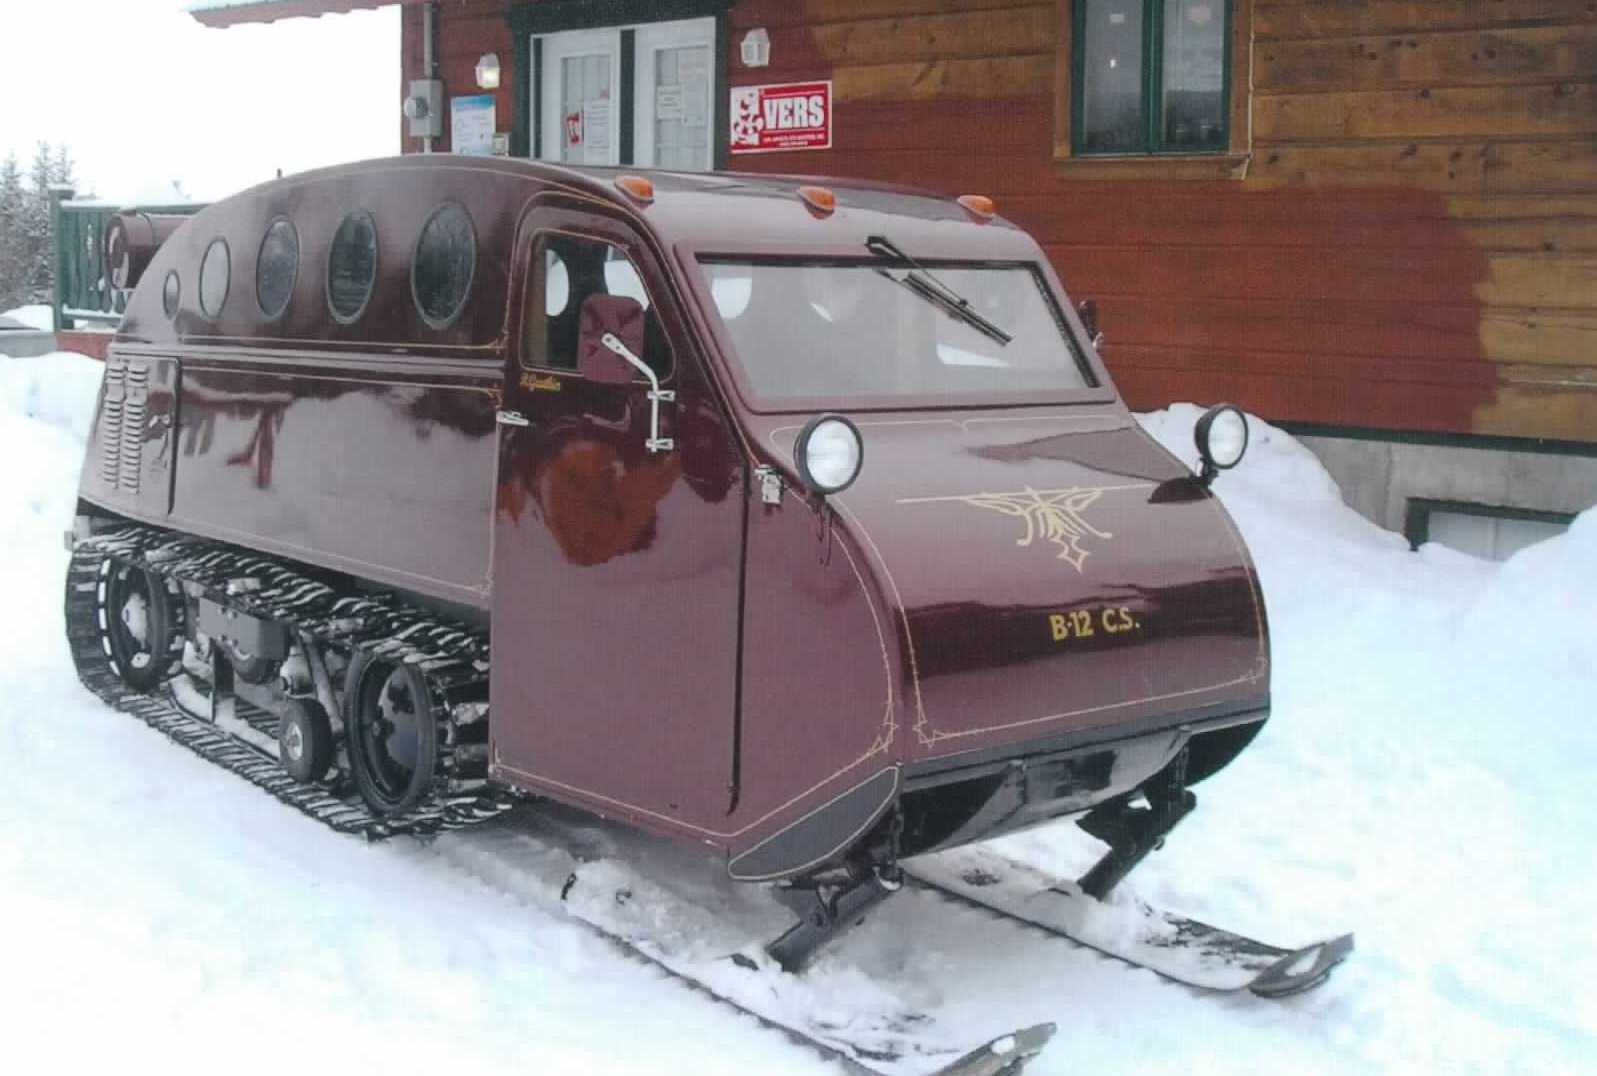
{"x": 26, "y": 265}
{"x": 13, "y": 266}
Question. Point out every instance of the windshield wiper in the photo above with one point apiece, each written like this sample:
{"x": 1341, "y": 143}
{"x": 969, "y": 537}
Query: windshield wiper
{"x": 921, "y": 281}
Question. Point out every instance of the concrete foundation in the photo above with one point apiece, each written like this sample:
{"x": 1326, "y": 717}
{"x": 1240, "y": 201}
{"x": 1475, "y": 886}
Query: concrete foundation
{"x": 1378, "y": 478}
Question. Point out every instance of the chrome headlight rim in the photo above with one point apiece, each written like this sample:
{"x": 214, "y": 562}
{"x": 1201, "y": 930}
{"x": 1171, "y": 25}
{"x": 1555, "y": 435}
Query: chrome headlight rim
{"x": 1202, "y": 432}
{"x": 801, "y": 453}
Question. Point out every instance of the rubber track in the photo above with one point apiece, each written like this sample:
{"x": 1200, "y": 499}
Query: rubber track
{"x": 453, "y": 658}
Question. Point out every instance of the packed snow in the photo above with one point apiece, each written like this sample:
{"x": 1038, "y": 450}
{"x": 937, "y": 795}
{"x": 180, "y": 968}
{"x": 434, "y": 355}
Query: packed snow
{"x": 39, "y": 316}
{"x": 1425, "y": 780}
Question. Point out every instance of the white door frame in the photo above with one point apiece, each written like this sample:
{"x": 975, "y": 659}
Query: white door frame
{"x": 565, "y": 45}
{"x": 664, "y": 35}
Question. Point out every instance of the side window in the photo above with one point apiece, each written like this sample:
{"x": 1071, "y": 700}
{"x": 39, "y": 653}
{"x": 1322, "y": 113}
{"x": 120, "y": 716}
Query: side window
{"x": 214, "y": 272}
{"x": 352, "y": 266}
{"x": 566, "y": 269}
{"x": 445, "y": 261}
{"x": 277, "y": 267}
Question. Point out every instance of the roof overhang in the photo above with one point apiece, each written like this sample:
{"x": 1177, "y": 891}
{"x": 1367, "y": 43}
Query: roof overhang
{"x": 224, "y": 13}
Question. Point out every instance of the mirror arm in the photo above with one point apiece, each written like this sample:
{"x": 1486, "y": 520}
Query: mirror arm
{"x": 655, "y": 443}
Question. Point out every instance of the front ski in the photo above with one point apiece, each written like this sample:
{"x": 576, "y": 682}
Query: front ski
{"x": 1173, "y": 946}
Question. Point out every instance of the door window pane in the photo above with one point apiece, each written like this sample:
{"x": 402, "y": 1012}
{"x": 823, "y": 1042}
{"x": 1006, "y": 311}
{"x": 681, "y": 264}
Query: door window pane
{"x": 1111, "y": 106}
{"x": 682, "y": 107}
{"x": 585, "y": 109}
{"x": 568, "y": 269}
{"x": 1194, "y": 74}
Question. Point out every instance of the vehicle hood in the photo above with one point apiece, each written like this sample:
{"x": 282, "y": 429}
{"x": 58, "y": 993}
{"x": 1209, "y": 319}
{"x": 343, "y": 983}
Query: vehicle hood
{"x": 1049, "y": 574}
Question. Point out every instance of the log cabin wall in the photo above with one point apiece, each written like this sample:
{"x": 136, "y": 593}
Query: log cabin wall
{"x": 1402, "y": 236}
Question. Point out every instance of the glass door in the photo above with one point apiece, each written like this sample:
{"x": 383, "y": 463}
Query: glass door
{"x": 581, "y": 121}
{"x": 673, "y": 98}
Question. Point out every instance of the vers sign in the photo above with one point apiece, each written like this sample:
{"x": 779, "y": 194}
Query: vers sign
{"x": 793, "y": 115}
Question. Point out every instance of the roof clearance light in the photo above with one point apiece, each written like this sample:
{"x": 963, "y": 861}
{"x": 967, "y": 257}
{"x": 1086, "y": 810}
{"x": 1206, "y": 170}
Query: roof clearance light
{"x": 820, "y": 200}
{"x": 978, "y": 205}
{"x": 638, "y": 188}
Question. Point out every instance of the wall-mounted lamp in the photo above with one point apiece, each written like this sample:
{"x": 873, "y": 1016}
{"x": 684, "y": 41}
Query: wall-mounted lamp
{"x": 756, "y": 48}
{"x": 488, "y": 71}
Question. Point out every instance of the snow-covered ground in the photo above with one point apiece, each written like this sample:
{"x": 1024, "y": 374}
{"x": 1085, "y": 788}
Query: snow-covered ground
{"x": 1426, "y": 780}
{"x": 39, "y": 315}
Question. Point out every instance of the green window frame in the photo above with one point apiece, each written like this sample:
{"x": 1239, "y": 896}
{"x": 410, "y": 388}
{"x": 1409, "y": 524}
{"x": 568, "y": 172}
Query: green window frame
{"x": 1151, "y": 125}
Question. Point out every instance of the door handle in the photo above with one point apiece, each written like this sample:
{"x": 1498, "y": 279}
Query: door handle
{"x": 512, "y": 418}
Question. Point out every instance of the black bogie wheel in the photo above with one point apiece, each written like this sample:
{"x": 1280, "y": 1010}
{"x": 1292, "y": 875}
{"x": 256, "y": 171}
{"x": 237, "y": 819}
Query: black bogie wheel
{"x": 140, "y": 622}
{"x": 392, "y": 734}
{"x": 305, "y": 740}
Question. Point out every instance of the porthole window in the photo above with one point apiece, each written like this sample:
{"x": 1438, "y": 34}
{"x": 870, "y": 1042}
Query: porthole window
{"x": 441, "y": 271}
{"x": 277, "y": 267}
{"x": 214, "y": 273}
{"x": 171, "y": 292}
{"x": 352, "y": 266}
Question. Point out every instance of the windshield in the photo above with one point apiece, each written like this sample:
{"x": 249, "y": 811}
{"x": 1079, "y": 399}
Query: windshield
{"x": 881, "y": 332}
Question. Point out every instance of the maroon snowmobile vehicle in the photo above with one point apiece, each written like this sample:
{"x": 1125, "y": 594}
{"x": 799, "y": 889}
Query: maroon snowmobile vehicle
{"x": 800, "y": 519}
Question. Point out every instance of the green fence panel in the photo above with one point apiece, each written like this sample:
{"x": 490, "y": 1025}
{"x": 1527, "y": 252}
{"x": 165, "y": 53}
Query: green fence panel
{"x": 83, "y": 292}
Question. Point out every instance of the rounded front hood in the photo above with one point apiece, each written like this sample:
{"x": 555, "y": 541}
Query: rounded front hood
{"x": 1051, "y": 574}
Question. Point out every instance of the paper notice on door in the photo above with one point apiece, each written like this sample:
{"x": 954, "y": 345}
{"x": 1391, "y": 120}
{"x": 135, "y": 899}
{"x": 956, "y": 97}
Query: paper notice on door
{"x": 596, "y": 129}
{"x": 668, "y": 102}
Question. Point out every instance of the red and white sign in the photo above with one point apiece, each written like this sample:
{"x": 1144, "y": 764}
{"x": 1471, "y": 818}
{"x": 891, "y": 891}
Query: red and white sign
{"x": 792, "y": 115}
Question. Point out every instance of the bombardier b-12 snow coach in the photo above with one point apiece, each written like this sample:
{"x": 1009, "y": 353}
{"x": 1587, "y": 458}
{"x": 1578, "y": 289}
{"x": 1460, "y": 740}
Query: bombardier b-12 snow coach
{"x": 801, "y": 521}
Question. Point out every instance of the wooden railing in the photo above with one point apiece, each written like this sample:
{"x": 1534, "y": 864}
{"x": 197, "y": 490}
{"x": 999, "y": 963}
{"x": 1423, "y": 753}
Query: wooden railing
{"x": 84, "y": 295}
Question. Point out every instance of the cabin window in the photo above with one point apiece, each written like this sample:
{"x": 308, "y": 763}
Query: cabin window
{"x": 566, "y": 270}
{"x": 171, "y": 292}
{"x": 277, "y": 267}
{"x": 1151, "y": 77}
{"x": 352, "y": 266}
{"x": 442, "y": 269}
{"x": 215, "y": 270}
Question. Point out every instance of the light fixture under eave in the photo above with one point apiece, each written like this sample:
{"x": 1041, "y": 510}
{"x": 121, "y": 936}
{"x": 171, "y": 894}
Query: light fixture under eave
{"x": 755, "y": 48}
{"x": 488, "y": 71}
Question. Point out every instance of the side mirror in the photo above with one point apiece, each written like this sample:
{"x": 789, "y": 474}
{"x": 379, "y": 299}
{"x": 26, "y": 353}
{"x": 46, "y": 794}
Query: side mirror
{"x": 608, "y": 315}
{"x": 1088, "y": 309}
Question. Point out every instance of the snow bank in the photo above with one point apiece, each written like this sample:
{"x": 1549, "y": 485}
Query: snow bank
{"x": 46, "y": 405}
{"x": 40, "y": 316}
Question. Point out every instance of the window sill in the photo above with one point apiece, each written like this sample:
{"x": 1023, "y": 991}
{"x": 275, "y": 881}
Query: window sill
{"x": 1206, "y": 166}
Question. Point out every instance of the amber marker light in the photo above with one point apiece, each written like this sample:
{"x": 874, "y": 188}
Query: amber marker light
{"x": 819, "y": 199}
{"x": 639, "y": 189}
{"x": 977, "y": 205}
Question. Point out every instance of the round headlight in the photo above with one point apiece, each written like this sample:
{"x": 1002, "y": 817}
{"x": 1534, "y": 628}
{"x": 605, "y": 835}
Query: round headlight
{"x": 1222, "y": 436}
{"x": 828, "y": 453}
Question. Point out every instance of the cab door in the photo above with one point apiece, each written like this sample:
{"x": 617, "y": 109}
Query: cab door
{"x": 616, "y": 569}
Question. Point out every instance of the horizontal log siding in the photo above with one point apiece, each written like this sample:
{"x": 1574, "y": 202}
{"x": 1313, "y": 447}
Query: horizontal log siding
{"x": 1490, "y": 105}
{"x": 1414, "y": 245}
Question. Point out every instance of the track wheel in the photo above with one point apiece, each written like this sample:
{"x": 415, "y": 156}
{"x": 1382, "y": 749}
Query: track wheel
{"x": 393, "y": 735}
{"x": 305, "y": 740}
{"x": 140, "y": 622}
